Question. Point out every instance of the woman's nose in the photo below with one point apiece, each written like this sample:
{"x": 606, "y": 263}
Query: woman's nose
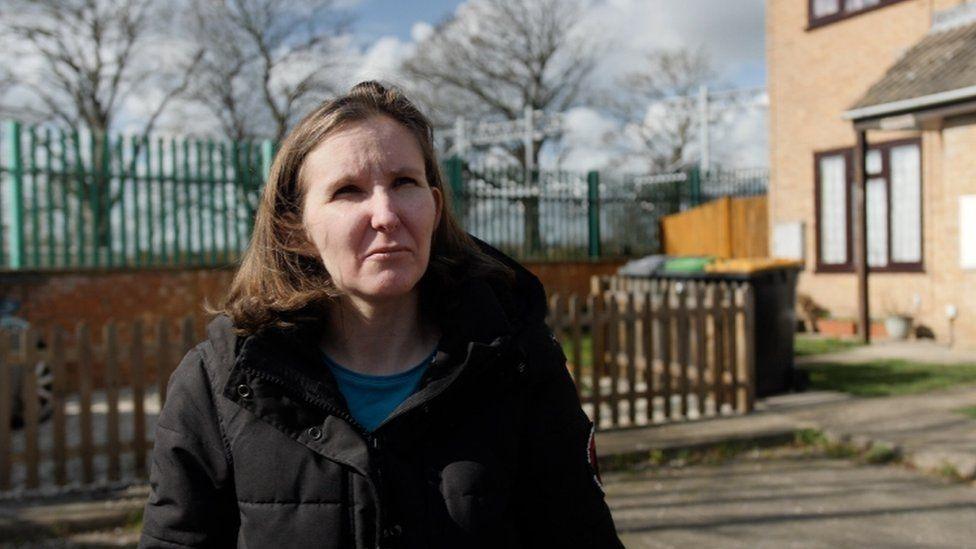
{"x": 383, "y": 212}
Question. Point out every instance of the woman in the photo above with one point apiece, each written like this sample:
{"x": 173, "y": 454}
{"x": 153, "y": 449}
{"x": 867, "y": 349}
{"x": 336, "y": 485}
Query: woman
{"x": 378, "y": 378}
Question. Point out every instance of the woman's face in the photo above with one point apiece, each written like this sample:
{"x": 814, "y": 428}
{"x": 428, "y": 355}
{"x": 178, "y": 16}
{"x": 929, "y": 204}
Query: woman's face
{"x": 369, "y": 210}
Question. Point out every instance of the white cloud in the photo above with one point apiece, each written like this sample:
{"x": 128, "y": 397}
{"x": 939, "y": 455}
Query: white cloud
{"x": 346, "y": 4}
{"x": 382, "y": 60}
{"x": 420, "y": 31}
{"x": 732, "y": 32}
{"x": 587, "y": 137}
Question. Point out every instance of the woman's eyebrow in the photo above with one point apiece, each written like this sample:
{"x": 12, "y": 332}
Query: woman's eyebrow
{"x": 352, "y": 179}
{"x": 409, "y": 171}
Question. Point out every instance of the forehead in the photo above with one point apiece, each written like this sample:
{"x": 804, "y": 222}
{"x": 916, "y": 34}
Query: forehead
{"x": 361, "y": 148}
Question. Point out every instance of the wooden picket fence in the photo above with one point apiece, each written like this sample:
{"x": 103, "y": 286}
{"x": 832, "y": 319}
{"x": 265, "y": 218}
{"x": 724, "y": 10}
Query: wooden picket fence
{"x": 645, "y": 351}
{"x": 641, "y": 351}
{"x": 81, "y": 443}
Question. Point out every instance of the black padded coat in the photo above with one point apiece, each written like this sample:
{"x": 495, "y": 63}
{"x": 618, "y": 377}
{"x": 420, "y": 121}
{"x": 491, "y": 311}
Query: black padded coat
{"x": 255, "y": 446}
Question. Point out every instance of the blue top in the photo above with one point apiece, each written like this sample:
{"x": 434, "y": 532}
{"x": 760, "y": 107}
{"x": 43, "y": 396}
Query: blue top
{"x": 371, "y": 399}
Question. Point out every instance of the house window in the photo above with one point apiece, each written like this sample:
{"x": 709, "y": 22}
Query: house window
{"x": 823, "y": 8}
{"x": 893, "y": 191}
{"x": 824, "y": 12}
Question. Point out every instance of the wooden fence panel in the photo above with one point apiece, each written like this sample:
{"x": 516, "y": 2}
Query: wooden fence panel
{"x": 748, "y": 221}
{"x": 647, "y": 335}
{"x": 704, "y": 230}
{"x": 83, "y": 340}
{"x": 630, "y": 331}
{"x": 613, "y": 336}
{"x": 689, "y": 342}
{"x": 28, "y": 380}
{"x": 681, "y": 342}
{"x": 718, "y": 343}
{"x": 728, "y": 228}
{"x": 576, "y": 337}
{"x": 6, "y": 396}
{"x": 138, "y": 381}
{"x": 667, "y": 347}
{"x": 596, "y": 370}
{"x": 729, "y": 311}
{"x": 700, "y": 345}
{"x": 641, "y": 353}
{"x": 58, "y": 402}
{"x": 112, "y": 399}
{"x": 164, "y": 362}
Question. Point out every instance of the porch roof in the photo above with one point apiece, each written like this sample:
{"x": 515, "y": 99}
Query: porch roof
{"x": 938, "y": 71}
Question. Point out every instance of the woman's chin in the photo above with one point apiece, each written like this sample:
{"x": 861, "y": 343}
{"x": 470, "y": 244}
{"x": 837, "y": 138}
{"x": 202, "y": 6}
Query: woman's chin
{"x": 388, "y": 286}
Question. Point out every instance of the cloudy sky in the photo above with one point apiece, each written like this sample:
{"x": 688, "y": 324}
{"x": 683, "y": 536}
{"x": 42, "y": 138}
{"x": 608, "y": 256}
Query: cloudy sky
{"x": 384, "y": 32}
{"x": 731, "y": 31}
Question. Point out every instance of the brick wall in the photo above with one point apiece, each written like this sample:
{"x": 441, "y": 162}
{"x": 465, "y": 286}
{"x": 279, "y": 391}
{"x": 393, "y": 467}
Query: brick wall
{"x": 813, "y": 77}
{"x": 571, "y": 277}
{"x": 65, "y": 298}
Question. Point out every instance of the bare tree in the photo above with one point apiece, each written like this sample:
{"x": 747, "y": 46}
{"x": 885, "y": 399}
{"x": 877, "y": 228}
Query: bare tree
{"x": 89, "y": 57}
{"x": 266, "y": 61}
{"x": 658, "y": 104}
{"x": 495, "y": 58}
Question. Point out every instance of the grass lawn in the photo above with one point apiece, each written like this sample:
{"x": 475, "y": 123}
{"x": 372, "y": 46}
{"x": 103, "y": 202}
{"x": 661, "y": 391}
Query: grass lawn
{"x": 875, "y": 378}
{"x": 970, "y": 411}
{"x": 586, "y": 350}
{"x": 804, "y": 345}
{"x": 889, "y": 377}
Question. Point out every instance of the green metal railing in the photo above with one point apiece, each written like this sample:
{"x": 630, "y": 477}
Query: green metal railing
{"x": 71, "y": 200}
{"x": 566, "y": 215}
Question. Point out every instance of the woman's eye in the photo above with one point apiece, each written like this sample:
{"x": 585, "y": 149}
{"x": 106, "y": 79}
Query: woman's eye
{"x": 348, "y": 189}
{"x": 405, "y": 181}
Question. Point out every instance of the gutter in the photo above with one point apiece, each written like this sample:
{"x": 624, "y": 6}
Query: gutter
{"x": 915, "y": 103}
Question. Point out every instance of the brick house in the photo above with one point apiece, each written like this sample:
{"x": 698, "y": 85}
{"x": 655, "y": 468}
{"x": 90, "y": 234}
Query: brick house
{"x": 895, "y": 79}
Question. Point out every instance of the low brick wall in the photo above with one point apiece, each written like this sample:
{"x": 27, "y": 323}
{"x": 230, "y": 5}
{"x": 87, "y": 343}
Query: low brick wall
{"x": 571, "y": 277}
{"x": 64, "y": 298}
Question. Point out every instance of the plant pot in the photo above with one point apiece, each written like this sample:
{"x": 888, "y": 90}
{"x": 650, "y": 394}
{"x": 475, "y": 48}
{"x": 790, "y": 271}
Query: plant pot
{"x": 844, "y": 328}
{"x": 834, "y": 327}
{"x": 898, "y": 326}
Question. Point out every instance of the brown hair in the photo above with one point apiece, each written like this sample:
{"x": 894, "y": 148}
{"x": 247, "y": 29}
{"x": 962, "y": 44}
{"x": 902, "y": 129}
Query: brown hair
{"x": 280, "y": 282}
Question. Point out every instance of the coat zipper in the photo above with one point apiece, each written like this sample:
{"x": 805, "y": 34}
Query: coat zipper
{"x": 371, "y": 441}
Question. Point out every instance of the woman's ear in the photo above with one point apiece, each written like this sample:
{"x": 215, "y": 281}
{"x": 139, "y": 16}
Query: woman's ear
{"x": 438, "y": 205}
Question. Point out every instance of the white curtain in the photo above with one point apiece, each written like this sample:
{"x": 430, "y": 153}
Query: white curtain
{"x": 833, "y": 210}
{"x": 877, "y": 204}
{"x": 906, "y": 204}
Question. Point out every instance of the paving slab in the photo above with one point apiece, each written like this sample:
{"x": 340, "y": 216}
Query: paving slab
{"x": 790, "y": 501}
{"x": 27, "y": 522}
{"x": 927, "y": 430}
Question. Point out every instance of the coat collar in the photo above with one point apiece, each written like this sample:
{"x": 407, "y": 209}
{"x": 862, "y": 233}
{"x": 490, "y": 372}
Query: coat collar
{"x": 290, "y": 386}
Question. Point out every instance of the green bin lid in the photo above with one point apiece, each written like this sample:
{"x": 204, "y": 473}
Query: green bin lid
{"x": 687, "y": 264}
